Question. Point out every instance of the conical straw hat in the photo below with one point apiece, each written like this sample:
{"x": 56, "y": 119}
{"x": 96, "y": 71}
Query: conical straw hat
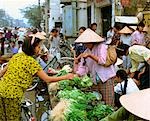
{"x": 89, "y": 36}
{"x": 137, "y": 103}
{"x": 125, "y": 30}
{"x": 133, "y": 27}
{"x": 43, "y": 33}
{"x": 38, "y": 35}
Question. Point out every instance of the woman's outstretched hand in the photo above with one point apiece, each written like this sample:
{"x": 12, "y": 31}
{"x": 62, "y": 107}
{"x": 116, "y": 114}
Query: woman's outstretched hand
{"x": 70, "y": 76}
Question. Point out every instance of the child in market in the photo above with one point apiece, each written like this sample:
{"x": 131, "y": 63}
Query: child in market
{"x": 125, "y": 85}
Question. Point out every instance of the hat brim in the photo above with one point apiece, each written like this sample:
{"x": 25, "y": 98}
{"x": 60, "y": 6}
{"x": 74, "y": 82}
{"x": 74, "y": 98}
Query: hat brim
{"x": 40, "y": 36}
{"x": 89, "y": 36}
{"x": 125, "y": 30}
{"x": 137, "y": 103}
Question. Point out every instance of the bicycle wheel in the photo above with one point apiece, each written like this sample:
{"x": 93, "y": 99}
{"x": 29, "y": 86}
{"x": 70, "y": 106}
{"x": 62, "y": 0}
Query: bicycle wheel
{"x": 66, "y": 51}
{"x": 26, "y": 114}
{"x": 34, "y": 84}
{"x": 26, "y": 108}
{"x": 66, "y": 61}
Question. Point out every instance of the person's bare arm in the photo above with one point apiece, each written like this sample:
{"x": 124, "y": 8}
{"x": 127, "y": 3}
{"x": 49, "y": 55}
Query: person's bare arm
{"x": 137, "y": 82}
{"x": 2, "y": 72}
{"x": 48, "y": 79}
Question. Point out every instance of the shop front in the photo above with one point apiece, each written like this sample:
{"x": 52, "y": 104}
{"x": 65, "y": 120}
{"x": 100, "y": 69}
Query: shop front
{"x": 105, "y": 14}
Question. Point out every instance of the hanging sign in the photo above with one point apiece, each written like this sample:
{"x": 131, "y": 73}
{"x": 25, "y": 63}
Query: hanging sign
{"x": 125, "y": 3}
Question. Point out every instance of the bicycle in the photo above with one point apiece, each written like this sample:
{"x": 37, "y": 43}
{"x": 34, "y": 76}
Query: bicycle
{"x": 41, "y": 95}
{"x": 26, "y": 112}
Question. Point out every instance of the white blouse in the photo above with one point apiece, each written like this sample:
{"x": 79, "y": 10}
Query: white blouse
{"x": 131, "y": 87}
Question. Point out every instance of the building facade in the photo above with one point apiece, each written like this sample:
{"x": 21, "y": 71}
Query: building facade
{"x": 55, "y": 17}
{"x": 74, "y": 16}
{"x": 77, "y": 13}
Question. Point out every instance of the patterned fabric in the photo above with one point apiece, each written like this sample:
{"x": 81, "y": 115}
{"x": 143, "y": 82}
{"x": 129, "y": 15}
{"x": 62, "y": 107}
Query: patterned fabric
{"x": 19, "y": 75}
{"x": 138, "y": 54}
{"x": 115, "y": 39}
{"x": 10, "y": 109}
{"x": 107, "y": 91}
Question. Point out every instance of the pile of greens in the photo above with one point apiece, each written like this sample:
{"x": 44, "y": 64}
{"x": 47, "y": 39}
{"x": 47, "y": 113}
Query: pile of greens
{"x": 61, "y": 73}
{"x": 79, "y": 104}
{"x": 99, "y": 112}
{"x": 76, "y": 82}
{"x": 84, "y": 106}
{"x": 77, "y": 95}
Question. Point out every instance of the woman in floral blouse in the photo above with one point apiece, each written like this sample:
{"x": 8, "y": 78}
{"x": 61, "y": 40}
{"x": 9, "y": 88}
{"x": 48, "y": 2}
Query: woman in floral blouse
{"x": 18, "y": 76}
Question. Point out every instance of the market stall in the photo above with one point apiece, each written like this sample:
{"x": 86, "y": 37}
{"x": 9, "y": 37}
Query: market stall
{"x": 75, "y": 100}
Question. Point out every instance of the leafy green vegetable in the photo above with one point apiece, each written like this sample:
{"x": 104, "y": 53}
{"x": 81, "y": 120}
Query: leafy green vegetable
{"x": 76, "y": 82}
{"x": 66, "y": 85}
{"x": 84, "y": 106}
{"x": 86, "y": 81}
{"x": 100, "y": 111}
{"x": 77, "y": 95}
{"x": 61, "y": 73}
{"x": 75, "y": 114}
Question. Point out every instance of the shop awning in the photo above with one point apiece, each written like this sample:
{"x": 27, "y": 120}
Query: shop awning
{"x": 126, "y": 19}
{"x": 65, "y": 1}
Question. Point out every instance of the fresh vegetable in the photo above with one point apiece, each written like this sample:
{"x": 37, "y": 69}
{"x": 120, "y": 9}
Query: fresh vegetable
{"x": 61, "y": 73}
{"x": 75, "y": 114}
{"x": 76, "y": 82}
{"x": 67, "y": 68}
{"x": 66, "y": 85}
{"x": 82, "y": 106}
{"x": 86, "y": 81}
{"x": 100, "y": 111}
{"x": 72, "y": 94}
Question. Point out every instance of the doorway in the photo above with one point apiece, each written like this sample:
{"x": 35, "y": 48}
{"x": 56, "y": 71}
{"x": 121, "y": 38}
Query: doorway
{"x": 106, "y": 19}
{"x": 89, "y": 16}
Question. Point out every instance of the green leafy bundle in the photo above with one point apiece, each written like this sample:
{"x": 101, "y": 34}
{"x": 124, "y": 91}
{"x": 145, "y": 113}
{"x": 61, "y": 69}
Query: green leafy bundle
{"x": 75, "y": 114}
{"x": 77, "y": 95}
{"x": 100, "y": 111}
{"x": 62, "y": 73}
{"x": 79, "y": 104}
{"x": 76, "y": 82}
{"x": 83, "y": 106}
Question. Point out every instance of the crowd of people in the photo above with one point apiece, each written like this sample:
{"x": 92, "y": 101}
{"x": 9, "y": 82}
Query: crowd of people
{"x": 128, "y": 74}
{"x": 131, "y": 74}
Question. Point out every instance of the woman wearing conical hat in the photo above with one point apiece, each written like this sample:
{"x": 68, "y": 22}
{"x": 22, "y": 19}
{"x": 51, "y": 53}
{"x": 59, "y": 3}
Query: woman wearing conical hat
{"x": 126, "y": 35}
{"x": 92, "y": 62}
{"x": 126, "y": 39}
{"x": 135, "y": 107}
